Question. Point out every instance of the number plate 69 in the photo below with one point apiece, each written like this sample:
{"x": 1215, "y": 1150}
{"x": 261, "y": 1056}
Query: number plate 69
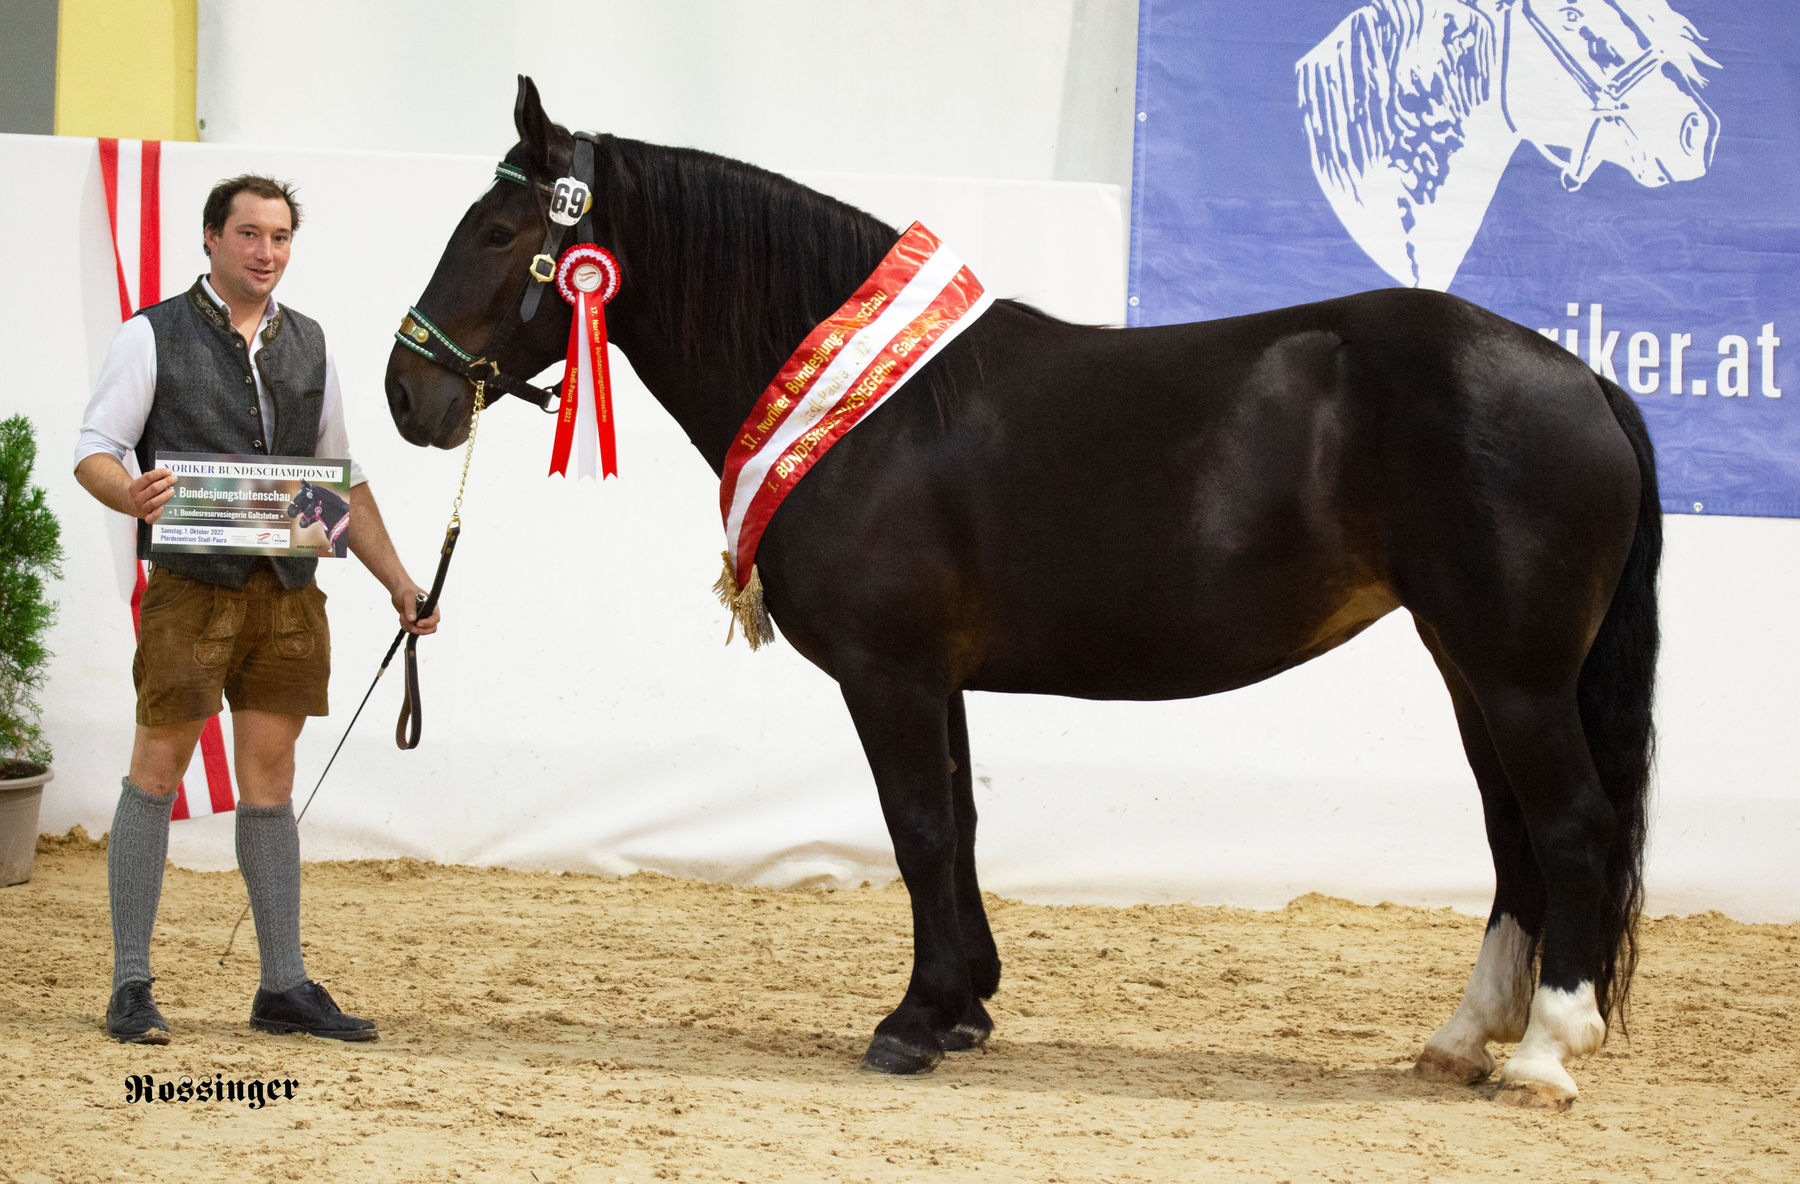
{"x": 569, "y": 200}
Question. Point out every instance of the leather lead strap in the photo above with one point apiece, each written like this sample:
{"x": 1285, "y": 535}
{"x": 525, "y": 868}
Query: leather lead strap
{"x": 412, "y": 711}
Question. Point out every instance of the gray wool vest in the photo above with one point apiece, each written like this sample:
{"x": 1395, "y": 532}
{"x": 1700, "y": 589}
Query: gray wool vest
{"x": 205, "y": 401}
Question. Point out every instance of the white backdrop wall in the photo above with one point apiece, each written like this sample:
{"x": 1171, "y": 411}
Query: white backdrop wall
{"x": 635, "y": 739}
{"x": 1033, "y": 90}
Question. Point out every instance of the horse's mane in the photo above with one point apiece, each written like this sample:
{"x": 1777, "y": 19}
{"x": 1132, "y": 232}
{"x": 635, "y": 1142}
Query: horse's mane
{"x": 1672, "y": 35}
{"x": 1394, "y": 82}
{"x": 746, "y": 261}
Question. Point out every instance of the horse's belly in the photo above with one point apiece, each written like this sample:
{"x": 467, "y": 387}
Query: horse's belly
{"x": 1130, "y": 654}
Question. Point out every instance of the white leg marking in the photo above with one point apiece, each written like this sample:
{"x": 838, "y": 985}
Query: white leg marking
{"x": 1564, "y": 1025}
{"x": 1494, "y": 1007}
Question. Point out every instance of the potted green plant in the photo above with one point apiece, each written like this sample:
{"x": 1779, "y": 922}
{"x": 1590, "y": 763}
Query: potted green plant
{"x": 30, "y": 552}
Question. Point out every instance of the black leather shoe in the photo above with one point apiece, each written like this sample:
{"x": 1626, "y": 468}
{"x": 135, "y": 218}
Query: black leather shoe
{"x": 307, "y": 1008}
{"x": 132, "y": 1017}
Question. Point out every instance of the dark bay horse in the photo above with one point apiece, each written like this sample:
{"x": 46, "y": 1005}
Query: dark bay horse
{"x": 311, "y": 504}
{"x": 1143, "y": 514}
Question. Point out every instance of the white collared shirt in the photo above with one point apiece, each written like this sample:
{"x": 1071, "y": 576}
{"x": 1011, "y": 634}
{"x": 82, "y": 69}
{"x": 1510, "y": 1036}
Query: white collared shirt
{"x": 114, "y": 420}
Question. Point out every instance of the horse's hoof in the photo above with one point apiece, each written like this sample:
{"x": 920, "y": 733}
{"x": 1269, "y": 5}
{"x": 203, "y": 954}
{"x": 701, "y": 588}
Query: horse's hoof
{"x": 1435, "y": 1064}
{"x": 1534, "y": 1095}
{"x": 1535, "y": 1079}
{"x": 895, "y": 1057}
{"x": 964, "y": 1037}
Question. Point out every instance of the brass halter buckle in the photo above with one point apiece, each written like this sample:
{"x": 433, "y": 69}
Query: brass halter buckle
{"x": 548, "y": 271}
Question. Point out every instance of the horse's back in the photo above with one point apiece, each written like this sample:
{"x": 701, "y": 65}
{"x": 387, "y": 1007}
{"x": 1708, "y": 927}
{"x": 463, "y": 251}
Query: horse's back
{"x": 1171, "y": 511}
{"x": 1325, "y": 420}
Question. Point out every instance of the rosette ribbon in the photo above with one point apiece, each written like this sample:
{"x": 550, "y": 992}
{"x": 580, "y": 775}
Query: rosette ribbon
{"x": 588, "y": 277}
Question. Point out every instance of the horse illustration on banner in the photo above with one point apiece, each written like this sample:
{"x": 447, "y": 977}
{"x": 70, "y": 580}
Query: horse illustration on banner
{"x": 1414, "y": 108}
{"x": 330, "y": 514}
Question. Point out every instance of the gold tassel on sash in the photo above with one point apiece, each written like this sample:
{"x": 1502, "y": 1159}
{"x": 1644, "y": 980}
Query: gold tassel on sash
{"x": 746, "y": 605}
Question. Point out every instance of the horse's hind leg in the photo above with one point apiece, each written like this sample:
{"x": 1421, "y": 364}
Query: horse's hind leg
{"x": 1498, "y": 998}
{"x": 979, "y": 953}
{"x": 1539, "y": 737}
{"x": 905, "y": 733}
{"x": 1526, "y": 696}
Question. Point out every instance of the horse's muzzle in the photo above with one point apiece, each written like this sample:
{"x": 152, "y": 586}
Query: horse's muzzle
{"x": 422, "y": 415}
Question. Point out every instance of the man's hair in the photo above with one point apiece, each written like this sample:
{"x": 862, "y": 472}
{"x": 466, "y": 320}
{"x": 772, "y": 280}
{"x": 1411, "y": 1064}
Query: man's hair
{"x": 218, "y": 202}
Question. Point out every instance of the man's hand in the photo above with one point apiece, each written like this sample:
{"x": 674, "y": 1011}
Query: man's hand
{"x": 406, "y": 602}
{"x": 148, "y": 493}
{"x": 370, "y": 543}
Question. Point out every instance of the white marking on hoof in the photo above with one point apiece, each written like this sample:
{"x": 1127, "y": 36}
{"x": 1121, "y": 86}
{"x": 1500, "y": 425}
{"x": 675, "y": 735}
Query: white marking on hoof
{"x": 1564, "y": 1025}
{"x": 1494, "y": 1007}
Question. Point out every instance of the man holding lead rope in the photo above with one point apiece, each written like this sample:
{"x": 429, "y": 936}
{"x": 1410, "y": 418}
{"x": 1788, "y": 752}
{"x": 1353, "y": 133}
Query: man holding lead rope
{"x": 222, "y": 368}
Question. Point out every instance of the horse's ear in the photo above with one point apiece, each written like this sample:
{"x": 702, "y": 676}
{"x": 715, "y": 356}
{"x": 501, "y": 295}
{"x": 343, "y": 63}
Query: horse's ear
{"x": 533, "y": 125}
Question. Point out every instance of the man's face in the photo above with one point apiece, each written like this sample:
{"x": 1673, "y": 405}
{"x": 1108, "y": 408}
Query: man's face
{"x": 251, "y": 252}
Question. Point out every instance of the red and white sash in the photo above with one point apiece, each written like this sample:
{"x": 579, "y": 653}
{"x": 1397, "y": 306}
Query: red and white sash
{"x": 913, "y": 305}
{"x": 131, "y": 174}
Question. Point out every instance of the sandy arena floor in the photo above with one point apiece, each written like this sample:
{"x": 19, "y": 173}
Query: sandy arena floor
{"x": 568, "y": 1028}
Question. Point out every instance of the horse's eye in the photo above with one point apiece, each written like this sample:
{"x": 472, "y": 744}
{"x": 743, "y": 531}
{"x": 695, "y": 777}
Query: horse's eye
{"x": 499, "y": 236}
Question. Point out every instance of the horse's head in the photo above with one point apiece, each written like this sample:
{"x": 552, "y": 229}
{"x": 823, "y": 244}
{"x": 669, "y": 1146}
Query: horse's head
{"x": 487, "y": 312}
{"x": 1614, "y": 83}
{"x": 304, "y": 499}
{"x": 1413, "y": 109}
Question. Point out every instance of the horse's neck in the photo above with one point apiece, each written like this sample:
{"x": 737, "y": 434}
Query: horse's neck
{"x": 706, "y": 391}
{"x": 706, "y": 336}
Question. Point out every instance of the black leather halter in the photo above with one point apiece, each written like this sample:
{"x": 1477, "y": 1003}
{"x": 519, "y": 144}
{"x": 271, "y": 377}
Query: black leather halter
{"x": 424, "y": 338}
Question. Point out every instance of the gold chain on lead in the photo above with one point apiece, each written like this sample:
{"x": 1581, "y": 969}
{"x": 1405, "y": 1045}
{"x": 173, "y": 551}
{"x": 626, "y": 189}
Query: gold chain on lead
{"x": 468, "y": 454}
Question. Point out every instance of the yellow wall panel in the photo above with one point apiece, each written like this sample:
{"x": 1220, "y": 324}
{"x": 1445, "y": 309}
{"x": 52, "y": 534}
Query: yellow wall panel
{"x": 126, "y": 68}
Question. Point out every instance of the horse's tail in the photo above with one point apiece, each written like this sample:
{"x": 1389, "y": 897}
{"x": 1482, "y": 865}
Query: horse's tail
{"x": 1615, "y": 691}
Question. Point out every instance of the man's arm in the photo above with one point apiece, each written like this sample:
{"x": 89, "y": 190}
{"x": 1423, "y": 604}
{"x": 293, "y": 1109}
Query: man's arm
{"x": 369, "y": 540}
{"x": 114, "y": 488}
{"x": 368, "y": 533}
{"x": 113, "y": 422}
{"x": 333, "y": 439}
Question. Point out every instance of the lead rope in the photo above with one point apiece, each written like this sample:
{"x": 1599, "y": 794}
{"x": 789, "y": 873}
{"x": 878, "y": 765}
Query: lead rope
{"x": 410, "y": 710}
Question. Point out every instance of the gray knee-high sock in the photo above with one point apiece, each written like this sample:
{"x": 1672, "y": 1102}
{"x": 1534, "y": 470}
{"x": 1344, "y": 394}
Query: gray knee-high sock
{"x": 135, "y": 851}
{"x": 268, "y": 852}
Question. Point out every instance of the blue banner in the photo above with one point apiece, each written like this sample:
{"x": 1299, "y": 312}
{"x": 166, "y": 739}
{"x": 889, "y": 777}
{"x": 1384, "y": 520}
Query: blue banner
{"x": 1620, "y": 175}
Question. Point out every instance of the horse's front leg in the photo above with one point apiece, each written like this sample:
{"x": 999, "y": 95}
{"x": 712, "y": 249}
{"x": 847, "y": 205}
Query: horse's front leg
{"x": 979, "y": 954}
{"x": 903, "y": 725}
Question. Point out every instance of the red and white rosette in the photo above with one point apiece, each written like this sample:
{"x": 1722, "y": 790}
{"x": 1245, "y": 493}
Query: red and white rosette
{"x": 587, "y": 276}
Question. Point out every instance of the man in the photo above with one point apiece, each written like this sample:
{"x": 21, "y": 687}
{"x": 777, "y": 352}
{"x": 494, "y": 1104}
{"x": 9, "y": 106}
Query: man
{"x": 224, "y": 368}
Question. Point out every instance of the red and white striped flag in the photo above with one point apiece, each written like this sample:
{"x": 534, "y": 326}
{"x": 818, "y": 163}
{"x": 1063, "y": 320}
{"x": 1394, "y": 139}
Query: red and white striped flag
{"x": 131, "y": 171}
